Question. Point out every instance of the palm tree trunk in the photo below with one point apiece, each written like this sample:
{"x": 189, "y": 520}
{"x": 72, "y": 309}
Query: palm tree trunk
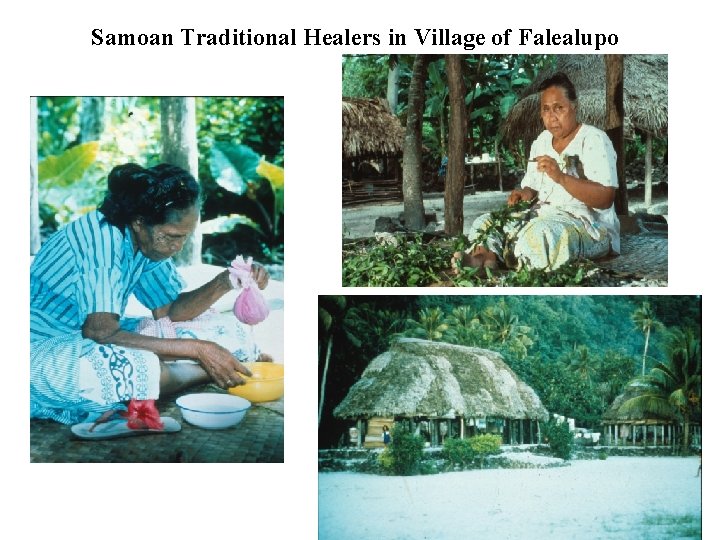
{"x": 324, "y": 379}
{"x": 686, "y": 433}
{"x": 647, "y": 341}
{"x": 414, "y": 210}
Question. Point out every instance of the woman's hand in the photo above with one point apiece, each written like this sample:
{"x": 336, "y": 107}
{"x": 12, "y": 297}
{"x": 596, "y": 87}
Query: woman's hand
{"x": 260, "y": 275}
{"x": 220, "y": 364}
{"x": 548, "y": 165}
{"x": 523, "y": 194}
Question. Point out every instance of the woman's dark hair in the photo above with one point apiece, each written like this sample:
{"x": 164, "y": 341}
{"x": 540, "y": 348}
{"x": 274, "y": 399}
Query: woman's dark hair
{"x": 563, "y": 81}
{"x": 153, "y": 194}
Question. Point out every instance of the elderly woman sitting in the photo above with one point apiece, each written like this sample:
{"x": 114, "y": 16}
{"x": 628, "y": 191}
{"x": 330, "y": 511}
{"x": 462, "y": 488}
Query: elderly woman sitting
{"x": 569, "y": 189}
{"x": 85, "y": 358}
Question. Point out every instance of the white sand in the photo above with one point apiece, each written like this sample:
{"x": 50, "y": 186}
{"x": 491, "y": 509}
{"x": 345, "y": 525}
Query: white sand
{"x": 587, "y": 500}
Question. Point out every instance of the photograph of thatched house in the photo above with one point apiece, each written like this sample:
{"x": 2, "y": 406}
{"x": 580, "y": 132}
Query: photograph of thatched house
{"x": 411, "y": 170}
{"x": 441, "y": 390}
{"x": 372, "y": 144}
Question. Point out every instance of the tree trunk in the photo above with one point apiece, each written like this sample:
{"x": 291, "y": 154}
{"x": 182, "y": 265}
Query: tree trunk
{"x": 179, "y": 147}
{"x": 92, "y": 119}
{"x": 455, "y": 181}
{"x": 648, "y": 169}
{"x": 412, "y": 148}
{"x": 686, "y": 433}
{"x": 34, "y": 202}
{"x": 647, "y": 342}
{"x": 324, "y": 379}
{"x": 392, "y": 83}
{"x": 614, "y": 118}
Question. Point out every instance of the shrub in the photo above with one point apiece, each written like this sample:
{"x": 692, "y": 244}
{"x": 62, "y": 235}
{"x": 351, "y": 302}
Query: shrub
{"x": 559, "y": 438}
{"x": 459, "y": 451}
{"x": 486, "y": 444}
{"x": 404, "y": 453}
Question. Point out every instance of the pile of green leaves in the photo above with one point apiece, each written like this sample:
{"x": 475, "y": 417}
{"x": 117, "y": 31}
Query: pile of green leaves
{"x": 465, "y": 453}
{"x": 410, "y": 263}
{"x": 416, "y": 263}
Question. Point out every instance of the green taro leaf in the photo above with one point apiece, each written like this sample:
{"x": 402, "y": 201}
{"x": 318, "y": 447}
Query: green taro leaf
{"x": 226, "y": 224}
{"x": 69, "y": 167}
{"x": 233, "y": 166}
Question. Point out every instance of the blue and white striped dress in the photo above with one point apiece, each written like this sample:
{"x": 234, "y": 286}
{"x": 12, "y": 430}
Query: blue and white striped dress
{"x": 87, "y": 267}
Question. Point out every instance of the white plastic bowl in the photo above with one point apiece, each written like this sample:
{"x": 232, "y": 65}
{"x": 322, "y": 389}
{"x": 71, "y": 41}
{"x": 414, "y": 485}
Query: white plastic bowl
{"x": 212, "y": 411}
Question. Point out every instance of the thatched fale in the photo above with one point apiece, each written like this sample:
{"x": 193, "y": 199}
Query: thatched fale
{"x": 645, "y": 95}
{"x": 418, "y": 378}
{"x": 614, "y": 416}
{"x": 370, "y": 130}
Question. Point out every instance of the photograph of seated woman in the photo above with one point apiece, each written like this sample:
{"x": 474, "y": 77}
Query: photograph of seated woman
{"x": 569, "y": 186}
{"x": 86, "y": 358}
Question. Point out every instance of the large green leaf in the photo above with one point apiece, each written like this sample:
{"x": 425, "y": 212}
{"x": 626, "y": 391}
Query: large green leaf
{"x": 68, "y": 167}
{"x": 226, "y": 224}
{"x": 506, "y": 103}
{"x": 233, "y": 166}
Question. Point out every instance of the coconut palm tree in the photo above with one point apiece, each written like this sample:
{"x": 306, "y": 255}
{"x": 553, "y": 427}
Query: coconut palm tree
{"x": 672, "y": 387}
{"x": 502, "y": 327}
{"x": 644, "y": 320}
{"x": 465, "y": 327}
{"x": 431, "y": 325}
{"x": 583, "y": 363}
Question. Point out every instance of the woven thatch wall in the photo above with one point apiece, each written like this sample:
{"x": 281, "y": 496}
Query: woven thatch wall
{"x": 370, "y": 130}
{"x": 645, "y": 93}
{"x": 425, "y": 378}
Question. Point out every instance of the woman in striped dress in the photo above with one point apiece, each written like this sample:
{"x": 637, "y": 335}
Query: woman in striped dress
{"x": 85, "y": 358}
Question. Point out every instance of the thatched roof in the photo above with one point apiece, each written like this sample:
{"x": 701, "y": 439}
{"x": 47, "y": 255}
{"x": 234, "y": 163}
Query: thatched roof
{"x": 645, "y": 91}
{"x": 614, "y": 416}
{"x": 369, "y": 129}
{"x": 426, "y": 378}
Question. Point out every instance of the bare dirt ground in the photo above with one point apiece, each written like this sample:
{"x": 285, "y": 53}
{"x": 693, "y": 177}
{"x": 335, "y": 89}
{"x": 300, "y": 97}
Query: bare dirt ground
{"x": 618, "y": 498}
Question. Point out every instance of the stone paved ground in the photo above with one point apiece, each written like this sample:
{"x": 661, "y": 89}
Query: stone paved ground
{"x": 259, "y": 437}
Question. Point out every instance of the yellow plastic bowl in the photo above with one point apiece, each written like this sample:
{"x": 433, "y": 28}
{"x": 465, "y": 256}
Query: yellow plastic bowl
{"x": 266, "y": 384}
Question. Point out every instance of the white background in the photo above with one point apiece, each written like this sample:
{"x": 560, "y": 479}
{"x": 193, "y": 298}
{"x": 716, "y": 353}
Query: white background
{"x": 46, "y": 51}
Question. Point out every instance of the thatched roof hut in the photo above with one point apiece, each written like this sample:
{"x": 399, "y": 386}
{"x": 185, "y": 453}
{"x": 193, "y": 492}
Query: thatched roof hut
{"x": 614, "y": 415}
{"x": 418, "y": 378}
{"x": 645, "y": 91}
{"x": 370, "y": 130}
{"x": 647, "y": 426}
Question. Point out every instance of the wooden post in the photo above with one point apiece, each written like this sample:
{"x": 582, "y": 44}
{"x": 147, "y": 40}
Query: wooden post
{"x": 462, "y": 427}
{"x": 645, "y": 435}
{"x": 633, "y": 434}
{"x": 616, "y": 434}
{"x": 359, "y": 432}
{"x": 648, "y": 169}
{"x": 614, "y": 118}
{"x": 455, "y": 179}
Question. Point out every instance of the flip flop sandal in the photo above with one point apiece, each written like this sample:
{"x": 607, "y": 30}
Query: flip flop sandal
{"x": 113, "y": 429}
